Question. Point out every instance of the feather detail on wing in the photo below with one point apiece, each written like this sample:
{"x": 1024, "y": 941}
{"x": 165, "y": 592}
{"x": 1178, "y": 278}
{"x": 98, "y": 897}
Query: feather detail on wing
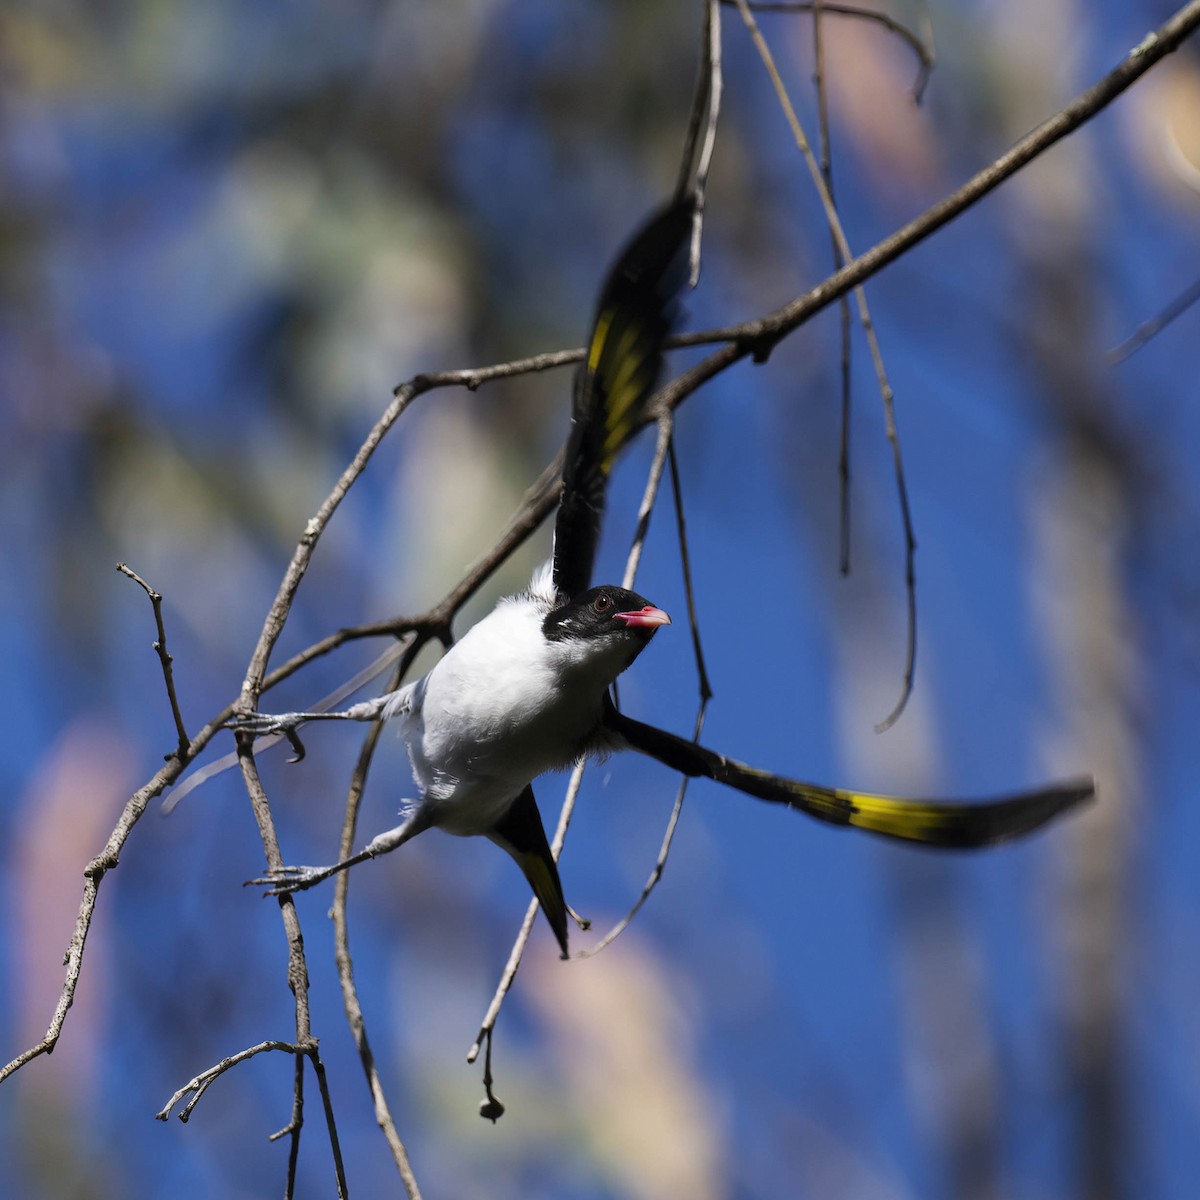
{"x": 945, "y": 824}
{"x": 636, "y": 311}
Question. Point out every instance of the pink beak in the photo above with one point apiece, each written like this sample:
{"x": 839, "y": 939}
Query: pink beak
{"x": 648, "y": 617}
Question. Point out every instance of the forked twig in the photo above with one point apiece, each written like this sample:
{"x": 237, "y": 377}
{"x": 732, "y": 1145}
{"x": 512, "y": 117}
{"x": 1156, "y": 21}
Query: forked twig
{"x": 199, "y": 1084}
{"x": 922, "y": 47}
{"x": 404, "y": 395}
{"x": 160, "y": 648}
{"x": 297, "y": 976}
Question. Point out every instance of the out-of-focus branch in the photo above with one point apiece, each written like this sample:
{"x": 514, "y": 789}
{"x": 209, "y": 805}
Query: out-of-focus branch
{"x": 1155, "y": 325}
{"x": 921, "y": 47}
{"x": 758, "y": 337}
{"x": 823, "y": 184}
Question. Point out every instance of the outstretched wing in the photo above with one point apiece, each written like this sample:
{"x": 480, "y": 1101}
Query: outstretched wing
{"x": 520, "y": 832}
{"x": 636, "y": 311}
{"x": 948, "y": 825}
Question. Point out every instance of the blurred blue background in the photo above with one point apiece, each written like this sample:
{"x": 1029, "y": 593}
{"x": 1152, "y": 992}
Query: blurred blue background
{"x": 227, "y": 231}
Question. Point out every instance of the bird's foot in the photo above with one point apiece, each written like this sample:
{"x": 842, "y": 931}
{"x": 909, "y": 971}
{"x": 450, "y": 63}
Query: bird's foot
{"x": 261, "y": 725}
{"x": 283, "y": 881}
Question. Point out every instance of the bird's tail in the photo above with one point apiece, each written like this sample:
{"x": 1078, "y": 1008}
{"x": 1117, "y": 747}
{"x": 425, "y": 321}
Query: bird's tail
{"x": 949, "y": 824}
{"x": 520, "y": 832}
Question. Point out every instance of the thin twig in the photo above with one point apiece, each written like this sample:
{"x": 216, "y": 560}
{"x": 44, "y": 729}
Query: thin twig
{"x": 355, "y": 1017}
{"x": 842, "y": 247}
{"x": 653, "y": 479}
{"x": 706, "y": 693}
{"x": 160, "y": 648}
{"x": 199, "y": 1084}
{"x": 660, "y": 862}
{"x": 339, "y": 1167}
{"x": 764, "y": 332}
{"x": 490, "y": 1107}
{"x": 839, "y": 261}
{"x": 700, "y": 138}
{"x": 519, "y": 942}
{"x": 689, "y": 590}
{"x": 293, "y": 1129}
{"x": 539, "y": 501}
{"x": 1151, "y": 328}
{"x": 297, "y": 970}
{"x": 706, "y": 110}
{"x": 662, "y": 449}
{"x": 921, "y": 47}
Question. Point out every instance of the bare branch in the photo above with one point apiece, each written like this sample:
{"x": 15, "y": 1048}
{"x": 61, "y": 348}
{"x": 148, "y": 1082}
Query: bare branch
{"x": 518, "y": 948}
{"x": 921, "y": 47}
{"x": 355, "y": 1018}
{"x": 160, "y": 648}
{"x": 297, "y": 976}
{"x": 758, "y": 337}
{"x": 403, "y": 396}
{"x": 685, "y": 560}
{"x": 839, "y": 261}
{"x": 650, "y": 494}
{"x": 842, "y": 252}
{"x": 339, "y": 1167}
{"x": 199, "y": 1084}
{"x": 656, "y": 872}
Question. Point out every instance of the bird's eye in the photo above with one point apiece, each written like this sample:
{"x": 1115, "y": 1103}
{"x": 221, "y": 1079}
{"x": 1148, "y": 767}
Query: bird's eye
{"x": 602, "y": 602}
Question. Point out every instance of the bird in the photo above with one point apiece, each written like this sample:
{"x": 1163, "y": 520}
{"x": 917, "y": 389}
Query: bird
{"x": 527, "y": 690}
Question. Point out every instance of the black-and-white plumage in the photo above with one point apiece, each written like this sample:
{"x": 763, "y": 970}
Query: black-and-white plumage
{"x": 526, "y": 690}
{"x": 521, "y": 694}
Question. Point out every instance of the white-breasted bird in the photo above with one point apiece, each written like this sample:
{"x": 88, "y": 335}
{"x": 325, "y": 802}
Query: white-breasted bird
{"x": 526, "y": 690}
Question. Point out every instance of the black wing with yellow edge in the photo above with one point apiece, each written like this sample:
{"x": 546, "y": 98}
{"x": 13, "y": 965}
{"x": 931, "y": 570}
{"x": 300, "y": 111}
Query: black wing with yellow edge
{"x": 635, "y": 313}
{"x": 948, "y": 825}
